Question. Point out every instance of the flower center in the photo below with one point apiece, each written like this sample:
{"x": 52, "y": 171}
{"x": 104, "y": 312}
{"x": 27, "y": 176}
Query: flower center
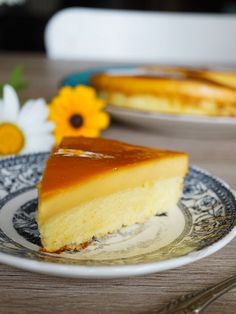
{"x": 76, "y": 121}
{"x": 11, "y": 139}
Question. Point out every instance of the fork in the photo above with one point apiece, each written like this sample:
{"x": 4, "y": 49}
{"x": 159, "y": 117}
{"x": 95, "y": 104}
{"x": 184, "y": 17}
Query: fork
{"x": 194, "y": 303}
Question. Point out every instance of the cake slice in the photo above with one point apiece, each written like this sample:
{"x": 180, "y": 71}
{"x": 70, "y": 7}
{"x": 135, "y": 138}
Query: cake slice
{"x": 92, "y": 187}
{"x": 172, "y": 90}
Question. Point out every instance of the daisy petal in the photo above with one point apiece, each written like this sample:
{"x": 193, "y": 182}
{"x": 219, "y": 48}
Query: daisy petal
{"x": 39, "y": 128}
{"x": 46, "y": 127}
{"x": 40, "y": 108}
{"x": 33, "y": 112}
{"x": 11, "y": 105}
{"x": 39, "y": 144}
{"x": 1, "y": 110}
{"x": 26, "y": 110}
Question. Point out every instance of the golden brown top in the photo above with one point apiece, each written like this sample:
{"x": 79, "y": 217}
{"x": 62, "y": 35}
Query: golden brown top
{"x": 171, "y": 81}
{"x": 78, "y": 159}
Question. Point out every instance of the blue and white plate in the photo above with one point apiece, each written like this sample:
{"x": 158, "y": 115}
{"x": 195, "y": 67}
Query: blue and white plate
{"x": 169, "y": 124}
{"x": 202, "y": 223}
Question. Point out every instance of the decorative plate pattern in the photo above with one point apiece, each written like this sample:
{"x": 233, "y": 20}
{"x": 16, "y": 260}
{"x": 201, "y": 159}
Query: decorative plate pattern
{"x": 203, "y": 222}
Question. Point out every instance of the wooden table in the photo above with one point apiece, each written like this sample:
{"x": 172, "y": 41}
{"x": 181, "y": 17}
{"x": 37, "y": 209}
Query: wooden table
{"x": 24, "y": 292}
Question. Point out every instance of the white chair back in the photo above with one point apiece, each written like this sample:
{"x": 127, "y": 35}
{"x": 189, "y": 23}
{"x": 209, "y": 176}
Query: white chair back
{"x": 114, "y": 35}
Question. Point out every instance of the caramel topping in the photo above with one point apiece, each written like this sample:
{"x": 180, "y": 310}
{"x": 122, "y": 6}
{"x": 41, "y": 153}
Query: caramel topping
{"x": 78, "y": 159}
{"x": 197, "y": 84}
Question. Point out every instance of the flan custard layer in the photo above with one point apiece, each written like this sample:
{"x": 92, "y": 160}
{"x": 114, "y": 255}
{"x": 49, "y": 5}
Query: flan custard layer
{"x": 92, "y": 187}
{"x": 171, "y": 90}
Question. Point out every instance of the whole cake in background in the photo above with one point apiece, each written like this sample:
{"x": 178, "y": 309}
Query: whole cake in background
{"x": 92, "y": 187}
{"x": 172, "y": 90}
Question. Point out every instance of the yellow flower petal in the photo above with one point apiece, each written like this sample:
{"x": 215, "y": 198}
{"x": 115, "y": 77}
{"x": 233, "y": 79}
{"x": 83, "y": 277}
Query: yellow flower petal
{"x": 65, "y": 92}
{"x": 91, "y": 133}
{"x": 80, "y": 101}
{"x": 99, "y": 120}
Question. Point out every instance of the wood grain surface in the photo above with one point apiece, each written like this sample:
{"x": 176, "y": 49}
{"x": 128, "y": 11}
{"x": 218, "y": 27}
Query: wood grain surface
{"x": 24, "y": 292}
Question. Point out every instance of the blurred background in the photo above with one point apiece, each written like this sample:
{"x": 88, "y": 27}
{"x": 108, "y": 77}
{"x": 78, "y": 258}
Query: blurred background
{"x": 22, "y": 22}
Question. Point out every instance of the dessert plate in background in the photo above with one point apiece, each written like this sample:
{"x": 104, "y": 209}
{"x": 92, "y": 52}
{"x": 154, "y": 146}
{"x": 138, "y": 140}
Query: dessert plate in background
{"x": 177, "y": 125}
{"x": 203, "y": 223}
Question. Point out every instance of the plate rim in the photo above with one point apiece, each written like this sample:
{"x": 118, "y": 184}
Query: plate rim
{"x": 113, "y": 110}
{"x": 111, "y": 271}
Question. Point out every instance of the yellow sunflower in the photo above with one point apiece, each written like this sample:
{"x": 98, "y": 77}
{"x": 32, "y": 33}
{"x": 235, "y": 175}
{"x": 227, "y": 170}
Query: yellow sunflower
{"x": 77, "y": 111}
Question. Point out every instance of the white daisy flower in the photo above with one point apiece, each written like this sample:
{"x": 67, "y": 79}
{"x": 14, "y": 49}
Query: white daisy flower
{"x": 26, "y": 129}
